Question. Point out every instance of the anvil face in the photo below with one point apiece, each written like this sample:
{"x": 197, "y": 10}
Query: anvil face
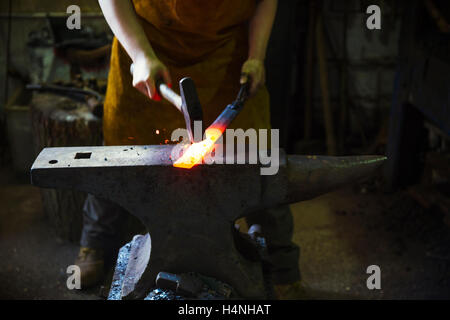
{"x": 190, "y": 214}
{"x": 136, "y": 175}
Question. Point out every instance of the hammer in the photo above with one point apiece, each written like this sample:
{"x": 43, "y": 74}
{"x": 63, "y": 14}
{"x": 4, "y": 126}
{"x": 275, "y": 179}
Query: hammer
{"x": 188, "y": 103}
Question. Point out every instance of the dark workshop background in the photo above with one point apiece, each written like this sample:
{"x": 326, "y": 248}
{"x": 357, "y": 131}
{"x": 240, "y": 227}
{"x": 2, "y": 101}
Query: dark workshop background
{"x": 365, "y": 59}
{"x": 331, "y": 81}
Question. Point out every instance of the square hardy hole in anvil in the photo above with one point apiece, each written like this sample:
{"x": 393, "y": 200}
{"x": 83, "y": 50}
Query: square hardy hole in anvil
{"x": 83, "y": 155}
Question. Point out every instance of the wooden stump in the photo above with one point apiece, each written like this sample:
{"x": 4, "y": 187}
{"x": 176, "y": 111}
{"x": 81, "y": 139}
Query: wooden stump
{"x": 62, "y": 122}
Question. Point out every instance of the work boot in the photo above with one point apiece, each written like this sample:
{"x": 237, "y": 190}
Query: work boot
{"x": 291, "y": 291}
{"x": 91, "y": 263}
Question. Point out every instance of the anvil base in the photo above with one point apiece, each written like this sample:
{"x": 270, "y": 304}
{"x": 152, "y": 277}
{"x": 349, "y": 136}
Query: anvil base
{"x": 212, "y": 289}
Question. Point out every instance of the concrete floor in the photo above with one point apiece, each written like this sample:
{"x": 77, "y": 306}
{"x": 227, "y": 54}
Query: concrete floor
{"x": 32, "y": 260}
{"x": 340, "y": 235}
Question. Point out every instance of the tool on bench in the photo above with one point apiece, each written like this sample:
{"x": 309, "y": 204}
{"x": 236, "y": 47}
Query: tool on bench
{"x": 75, "y": 93}
{"x": 93, "y": 98}
{"x": 188, "y": 103}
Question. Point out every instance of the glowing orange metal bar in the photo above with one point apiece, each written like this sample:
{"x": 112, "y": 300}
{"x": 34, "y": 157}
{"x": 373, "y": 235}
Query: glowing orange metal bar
{"x": 196, "y": 152}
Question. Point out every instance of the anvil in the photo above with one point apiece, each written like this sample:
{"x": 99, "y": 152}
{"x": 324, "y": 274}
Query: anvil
{"x": 190, "y": 214}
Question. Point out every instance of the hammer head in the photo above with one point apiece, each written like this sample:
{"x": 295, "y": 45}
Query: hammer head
{"x": 190, "y": 107}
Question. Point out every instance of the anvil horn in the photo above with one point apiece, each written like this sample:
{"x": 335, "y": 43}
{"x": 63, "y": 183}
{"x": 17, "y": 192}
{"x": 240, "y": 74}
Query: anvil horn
{"x": 190, "y": 214}
{"x": 303, "y": 178}
{"x": 311, "y": 176}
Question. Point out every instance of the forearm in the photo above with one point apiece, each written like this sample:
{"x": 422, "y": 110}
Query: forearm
{"x": 260, "y": 28}
{"x": 124, "y": 23}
